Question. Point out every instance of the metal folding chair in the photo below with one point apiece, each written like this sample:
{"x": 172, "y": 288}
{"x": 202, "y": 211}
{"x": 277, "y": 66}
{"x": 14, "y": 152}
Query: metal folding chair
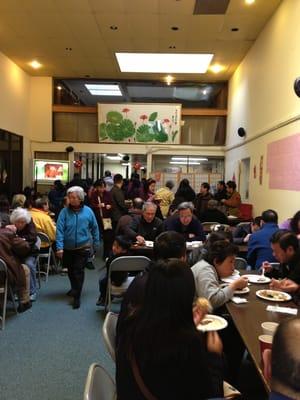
{"x": 47, "y": 255}
{"x": 99, "y": 384}
{"x": 6, "y": 290}
{"x": 240, "y": 263}
{"x": 109, "y": 333}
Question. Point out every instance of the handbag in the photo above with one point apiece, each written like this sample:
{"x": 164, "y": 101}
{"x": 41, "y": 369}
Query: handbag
{"x": 106, "y": 222}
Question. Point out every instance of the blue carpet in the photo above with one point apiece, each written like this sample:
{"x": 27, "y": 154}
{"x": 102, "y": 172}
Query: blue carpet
{"x": 46, "y": 352}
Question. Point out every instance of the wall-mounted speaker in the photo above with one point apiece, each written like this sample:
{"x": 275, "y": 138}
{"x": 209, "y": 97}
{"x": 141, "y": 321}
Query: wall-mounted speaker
{"x": 297, "y": 86}
{"x": 241, "y": 132}
{"x": 126, "y": 158}
{"x": 69, "y": 149}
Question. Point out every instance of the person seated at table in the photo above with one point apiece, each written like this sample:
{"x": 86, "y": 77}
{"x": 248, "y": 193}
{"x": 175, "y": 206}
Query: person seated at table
{"x": 184, "y": 193}
{"x": 42, "y": 221}
{"x": 285, "y": 247}
{"x": 202, "y": 199}
{"x": 292, "y": 224}
{"x": 12, "y": 249}
{"x": 146, "y": 226}
{"x": 233, "y": 200}
{"x": 125, "y": 220}
{"x": 217, "y": 263}
{"x": 186, "y": 223}
{"x": 221, "y": 192}
{"x": 242, "y": 232}
{"x": 166, "y": 197}
{"x": 259, "y": 246}
{"x": 160, "y": 353}
{"x": 212, "y": 214}
{"x": 120, "y": 248}
{"x": 282, "y": 363}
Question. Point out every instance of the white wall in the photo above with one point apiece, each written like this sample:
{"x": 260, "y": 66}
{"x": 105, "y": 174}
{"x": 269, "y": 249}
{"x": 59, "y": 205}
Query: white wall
{"x": 262, "y": 100}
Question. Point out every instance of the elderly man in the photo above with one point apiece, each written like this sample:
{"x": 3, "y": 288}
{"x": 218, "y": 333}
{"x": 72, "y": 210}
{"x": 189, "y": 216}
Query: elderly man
{"x": 186, "y": 223}
{"x": 125, "y": 220}
{"x": 145, "y": 226}
{"x": 41, "y": 219}
{"x": 282, "y": 363}
{"x": 76, "y": 232}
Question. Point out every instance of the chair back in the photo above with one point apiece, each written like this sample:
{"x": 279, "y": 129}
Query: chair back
{"x": 207, "y": 226}
{"x": 3, "y": 276}
{"x": 109, "y": 333}
{"x": 44, "y": 238}
{"x": 129, "y": 263}
{"x": 99, "y": 384}
{"x": 240, "y": 263}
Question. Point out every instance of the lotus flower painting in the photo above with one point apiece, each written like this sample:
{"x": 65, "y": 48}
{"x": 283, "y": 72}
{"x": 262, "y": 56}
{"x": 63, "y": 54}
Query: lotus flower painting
{"x": 139, "y": 123}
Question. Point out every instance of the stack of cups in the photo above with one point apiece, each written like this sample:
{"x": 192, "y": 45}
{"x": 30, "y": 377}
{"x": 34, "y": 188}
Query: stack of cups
{"x": 266, "y": 339}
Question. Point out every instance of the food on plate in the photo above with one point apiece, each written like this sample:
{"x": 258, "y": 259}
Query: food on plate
{"x": 273, "y": 295}
{"x": 206, "y": 321}
{"x": 204, "y": 305}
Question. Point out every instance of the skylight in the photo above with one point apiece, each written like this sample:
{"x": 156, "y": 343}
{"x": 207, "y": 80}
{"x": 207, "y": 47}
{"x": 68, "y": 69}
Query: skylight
{"x": 164, "y": 63}
{"x": 104, "y": 90}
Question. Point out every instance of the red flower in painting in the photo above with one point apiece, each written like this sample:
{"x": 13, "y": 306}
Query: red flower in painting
{"x": 143, "y": 117}
{"x": 166, "y": 120}
{"x": 125, "y": 110}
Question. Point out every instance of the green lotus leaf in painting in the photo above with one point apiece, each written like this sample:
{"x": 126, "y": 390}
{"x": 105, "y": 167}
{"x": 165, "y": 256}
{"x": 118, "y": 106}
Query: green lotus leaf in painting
{"x": 174, "y": 134}
{"x": 153, "y": 116}
{"x": 102, "y": 131}
{"x": 144, "y": 134}
{"x": 114, "y": 132}
{"x": 114, "y": 117}
{"x": 127, "y": 128}
{"x": 160, "y": 134}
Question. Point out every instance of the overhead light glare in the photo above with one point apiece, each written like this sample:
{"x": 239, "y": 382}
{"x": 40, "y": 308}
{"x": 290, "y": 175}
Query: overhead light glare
{"x": 35, "y": 64}
{"x": 169, "y": 79}
{"x": 216, "y": 68}
{"x": 189, "y": 159}
{"x": 249, "y": 2}
{"x": 164, "y": 62}
{"x": 125, "y": 164}
{"x": 59, "y": 87}
{"x": 114, "y": 158}
{"x": 185, "y": 162}
{"x": 104, "y": 90}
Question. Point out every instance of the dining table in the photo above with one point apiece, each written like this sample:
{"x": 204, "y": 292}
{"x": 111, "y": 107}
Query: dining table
{"x": 248, "y": 318}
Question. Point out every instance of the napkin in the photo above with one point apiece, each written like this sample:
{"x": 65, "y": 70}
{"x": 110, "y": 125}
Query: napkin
{"x": 285, "y": 310}
{"x": 239, "y": 300}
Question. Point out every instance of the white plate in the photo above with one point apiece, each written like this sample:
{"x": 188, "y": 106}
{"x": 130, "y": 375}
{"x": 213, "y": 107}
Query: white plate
{"x": 239, "y": 291}
{"x": 215, "y": 323}
{"x": 258, "y": 279}
{"x": 236, "y": 272}
{"x": 149, "y": 243}
{"x": 268, "y": 294}
{"x": 230, "y": 278}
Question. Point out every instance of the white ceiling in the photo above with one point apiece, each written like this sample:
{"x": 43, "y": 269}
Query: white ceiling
{"x": 44, "y": 29}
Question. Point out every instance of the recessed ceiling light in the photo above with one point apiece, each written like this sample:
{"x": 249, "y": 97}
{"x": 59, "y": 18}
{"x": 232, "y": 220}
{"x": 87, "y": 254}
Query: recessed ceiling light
{"x": 59, "y": 87}
{"x": 103, "y": 90}
{"x": 35, "y": 64}
{"x": 174, "y": 28}
{"x": 113, "y": 27}
{"x": 164, "y": 62}
{"x": 172, "y": 47}
{"x": 234, "y": 29}
{"x": 249, "y": 1}
{"x": 69, "y": 49}
{"x": 216, "y": 68}
{"x": 169, "y": 79}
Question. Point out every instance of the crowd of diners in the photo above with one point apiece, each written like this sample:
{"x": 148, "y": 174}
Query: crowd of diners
{"x": 159, "y": 348}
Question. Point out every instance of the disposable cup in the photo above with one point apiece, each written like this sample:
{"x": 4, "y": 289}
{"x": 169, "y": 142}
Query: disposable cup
{"x": 265, "y": 342}
{"x": 269, "y": 328}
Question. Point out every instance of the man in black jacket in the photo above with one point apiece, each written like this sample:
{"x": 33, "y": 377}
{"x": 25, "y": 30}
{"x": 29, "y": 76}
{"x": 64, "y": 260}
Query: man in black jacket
{"x": 118, "y": 201}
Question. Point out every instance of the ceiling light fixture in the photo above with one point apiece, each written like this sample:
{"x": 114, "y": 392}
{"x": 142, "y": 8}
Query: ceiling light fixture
{"x": 114, "y": 158}
{"x": 169, "y": 79}
{"x": 35, "y": 64}
{"x": 59, "y": 87}
{"x": 185, "y": 162}
{"x": 249, "y": 2}
{"x": 164, "y": 62}
{"x": 174, "y": 28}
{"x": 113, "y": 27}
{"x": 103, "y": 90}
{"x": 189, "y": 158}
{"x": 216, "y": 68}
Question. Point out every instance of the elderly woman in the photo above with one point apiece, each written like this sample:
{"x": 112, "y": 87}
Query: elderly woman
{"x": 76, "y": 232}
{"x": 23, "y": 227}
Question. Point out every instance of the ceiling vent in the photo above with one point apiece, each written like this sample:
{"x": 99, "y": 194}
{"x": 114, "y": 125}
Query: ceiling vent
{"x": 204, "y": 7}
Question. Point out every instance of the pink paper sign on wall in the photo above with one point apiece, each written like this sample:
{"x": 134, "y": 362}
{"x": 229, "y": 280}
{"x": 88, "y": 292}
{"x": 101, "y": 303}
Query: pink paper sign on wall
{"x": 283, "y": 163}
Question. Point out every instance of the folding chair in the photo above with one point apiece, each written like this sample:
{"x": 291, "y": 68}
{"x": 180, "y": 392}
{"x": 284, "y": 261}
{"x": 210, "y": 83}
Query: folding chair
{"x": 50, "y": 253}
{"x": 5, "y": 289}
{"x": 99, "y": 385}
{"x": 109, "y": 333}
{"x": 125, "y": 264}
{"x": 240, "y": 263}
{"x": 207, "y": 226}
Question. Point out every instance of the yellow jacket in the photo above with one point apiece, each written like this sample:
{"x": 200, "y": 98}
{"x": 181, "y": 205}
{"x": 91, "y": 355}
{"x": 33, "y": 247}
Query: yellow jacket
{"x": 43, "y": 223}
{"x": 166, "y": 196}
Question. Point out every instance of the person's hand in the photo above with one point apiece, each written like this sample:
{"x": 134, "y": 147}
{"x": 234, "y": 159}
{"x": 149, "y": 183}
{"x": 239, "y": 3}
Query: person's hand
{"x": 267, "y": 266}
{"x": 59, "y": 254}
{"x": 275, "y": 284}
{"x": 140, "y": 239}
{"x": 214, "y": 343}
{"x": 11, "y": 228}
{"x": 287, "y": 285}
{"x": 239, "y": 283}
{"x": 198, "y": 315}
{"x": 246, "y": 238}
{"x": 108, "y": 206}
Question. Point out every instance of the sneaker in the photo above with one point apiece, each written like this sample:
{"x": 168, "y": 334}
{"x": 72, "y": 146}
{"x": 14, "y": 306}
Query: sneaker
{"x": 89, "y": 265}
{"x": 76, "y": 304}
{"x": 100, "y": 301}
{"x": 24, "y": 307}
{"x": 33, "y": 297}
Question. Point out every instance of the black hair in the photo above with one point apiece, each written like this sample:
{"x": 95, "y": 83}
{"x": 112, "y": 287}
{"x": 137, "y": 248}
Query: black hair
{"x": 170, "y": 184}
{"x": 99, "y": 182}
{"x": 205, "y": 185}
{"x": 219, "y": 251}
{"x": 122, "y": 242}
{"x": 294, "y": 223}
{"x": 169, "y": 244}
{"x": 118, "y": 178}
{"x": 285, "y": 239}
{"x": 219, "y": 235}
{"x": 269, "y": 216}
{"x": 137, "y": 203}
{"x": 107, "y": 173}
{"x": 4, "y": 204}
{"x": 257, "y": 220}
{"x": 285, "y": 355}
{"x": 231, "y": 184}
{"x": 222, "y": 183}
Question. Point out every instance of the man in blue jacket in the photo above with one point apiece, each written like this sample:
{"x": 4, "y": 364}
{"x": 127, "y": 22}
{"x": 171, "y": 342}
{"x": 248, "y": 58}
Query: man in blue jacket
{"x": 76, "y": 232}
{"x": 259, "y": 247}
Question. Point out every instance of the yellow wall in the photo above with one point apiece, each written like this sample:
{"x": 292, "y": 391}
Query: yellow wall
{"x": 262, "y": 100}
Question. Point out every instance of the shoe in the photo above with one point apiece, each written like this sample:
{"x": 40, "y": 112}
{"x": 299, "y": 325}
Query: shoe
{"x": 70, "y": 293}
{"x": 89, "y": 265}
{"x": 24, "y": 307}
{"x": 100, "y": 301}
{"x": 33, "y": 297}
{"x": 76, "y": 304}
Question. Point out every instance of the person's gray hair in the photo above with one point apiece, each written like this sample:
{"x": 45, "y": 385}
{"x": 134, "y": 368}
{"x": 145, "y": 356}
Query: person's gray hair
{"x": 186, "y": 205}
{"x": 78, "y": 190}
{"x": 20, "y": 213}
{"x": 149, "y": 204}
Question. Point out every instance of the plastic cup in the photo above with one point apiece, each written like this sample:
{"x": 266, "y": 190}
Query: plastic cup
{"x": 265, "y": 342}
{"x": 269, "y": 328}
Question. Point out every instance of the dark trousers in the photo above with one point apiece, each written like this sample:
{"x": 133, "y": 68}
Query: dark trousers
{"x": 75, "y": 261}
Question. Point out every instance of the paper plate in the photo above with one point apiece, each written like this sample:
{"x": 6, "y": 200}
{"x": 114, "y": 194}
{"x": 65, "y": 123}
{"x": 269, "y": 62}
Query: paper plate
{"x": 258, "y": 279}
{"x": 230, "y": 278}
{"x": 239, "y": 291}
{"x": 148, "y": 243}
{"x": 273, "y": 295}
{"x": 212, "y": 323}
